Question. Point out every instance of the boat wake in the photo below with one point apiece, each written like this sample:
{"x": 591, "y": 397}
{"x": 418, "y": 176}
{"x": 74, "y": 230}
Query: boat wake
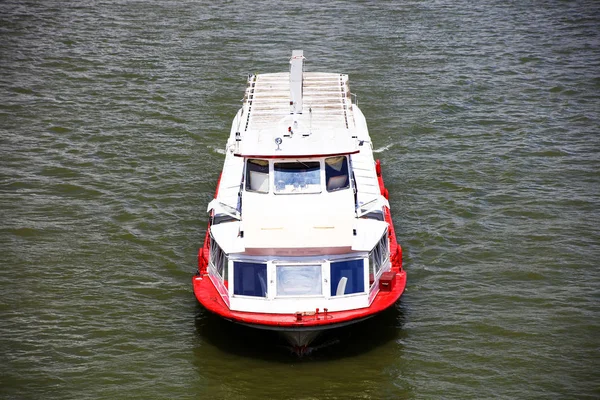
{"x": 218, "y": 150}
{"x": 384, "y": 148}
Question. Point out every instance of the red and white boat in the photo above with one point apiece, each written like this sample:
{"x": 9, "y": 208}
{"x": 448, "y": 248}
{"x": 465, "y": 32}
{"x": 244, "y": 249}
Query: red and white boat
{"x": 300, "y": 237}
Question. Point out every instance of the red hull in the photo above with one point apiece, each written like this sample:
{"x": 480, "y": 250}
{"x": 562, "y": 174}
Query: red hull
{"x": 210, "y": 298}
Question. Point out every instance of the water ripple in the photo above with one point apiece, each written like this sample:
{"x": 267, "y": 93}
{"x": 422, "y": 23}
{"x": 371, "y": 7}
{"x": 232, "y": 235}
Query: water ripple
{"x": 113, "y": 117}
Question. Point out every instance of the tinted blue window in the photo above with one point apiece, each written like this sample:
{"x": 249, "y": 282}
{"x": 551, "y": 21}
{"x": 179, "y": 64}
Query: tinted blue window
{"x": 249, "y": 279}
{"x": 353, "y": 271}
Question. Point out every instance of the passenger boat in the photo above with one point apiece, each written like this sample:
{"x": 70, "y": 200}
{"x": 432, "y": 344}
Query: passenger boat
{"x": 300, "y": 236}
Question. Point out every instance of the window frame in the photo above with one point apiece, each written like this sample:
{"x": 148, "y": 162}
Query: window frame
{"x": 236, "y": 280}
{"x": 333, "y": 285}
{"x": 344, "y": 171}
{"x": 249, "y": 170}
{"x": 316, "y": 266}
{"x": 378, "y": 258}
{"x": 319, "y": 168}
{"x": 218, "y": 260}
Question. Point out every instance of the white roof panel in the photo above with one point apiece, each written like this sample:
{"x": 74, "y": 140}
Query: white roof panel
{"x": 325, "y": 126}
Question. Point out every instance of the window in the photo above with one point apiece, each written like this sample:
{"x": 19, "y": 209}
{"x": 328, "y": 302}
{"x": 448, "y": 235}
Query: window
{"x": 297, "y": 177}
{"x": 249, "y": 279}
{"x": 257, "y": 175}
{"x": 299, "y": 280}
{"x": 379, "y": 256}
{"x": 376, "y": 215}
{"x": 336, "y": 173}
{"x": 347, "y": 277}
{"x": 218, "y": 259}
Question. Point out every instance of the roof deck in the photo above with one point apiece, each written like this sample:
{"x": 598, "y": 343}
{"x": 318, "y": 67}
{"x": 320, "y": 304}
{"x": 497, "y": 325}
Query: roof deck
{"x": 319, "y": 121}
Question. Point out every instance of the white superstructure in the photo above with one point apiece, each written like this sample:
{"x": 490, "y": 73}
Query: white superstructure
{"x": 298, "y": 220}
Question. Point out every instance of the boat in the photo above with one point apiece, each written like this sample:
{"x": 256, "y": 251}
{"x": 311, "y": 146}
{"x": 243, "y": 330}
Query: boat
{"x": 300, "y": 237}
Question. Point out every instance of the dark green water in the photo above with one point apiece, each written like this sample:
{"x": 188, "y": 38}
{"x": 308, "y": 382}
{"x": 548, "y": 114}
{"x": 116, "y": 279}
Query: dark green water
{"x": 486, "y": 118}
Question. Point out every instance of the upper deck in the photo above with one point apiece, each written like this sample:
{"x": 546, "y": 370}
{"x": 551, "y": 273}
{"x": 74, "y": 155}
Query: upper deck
{"x": 293, "y": 117}
{"x": 324, "y": 123}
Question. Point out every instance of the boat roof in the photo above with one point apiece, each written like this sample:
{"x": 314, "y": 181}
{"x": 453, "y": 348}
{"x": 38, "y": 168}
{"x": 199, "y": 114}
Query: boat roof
{"x": 271, "y": 125}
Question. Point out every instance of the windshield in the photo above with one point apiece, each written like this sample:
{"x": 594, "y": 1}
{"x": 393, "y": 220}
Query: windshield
{"x": 297, "y": 177}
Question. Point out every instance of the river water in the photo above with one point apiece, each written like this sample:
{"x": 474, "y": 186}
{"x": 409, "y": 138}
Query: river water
{"x": 113, "y": 120}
